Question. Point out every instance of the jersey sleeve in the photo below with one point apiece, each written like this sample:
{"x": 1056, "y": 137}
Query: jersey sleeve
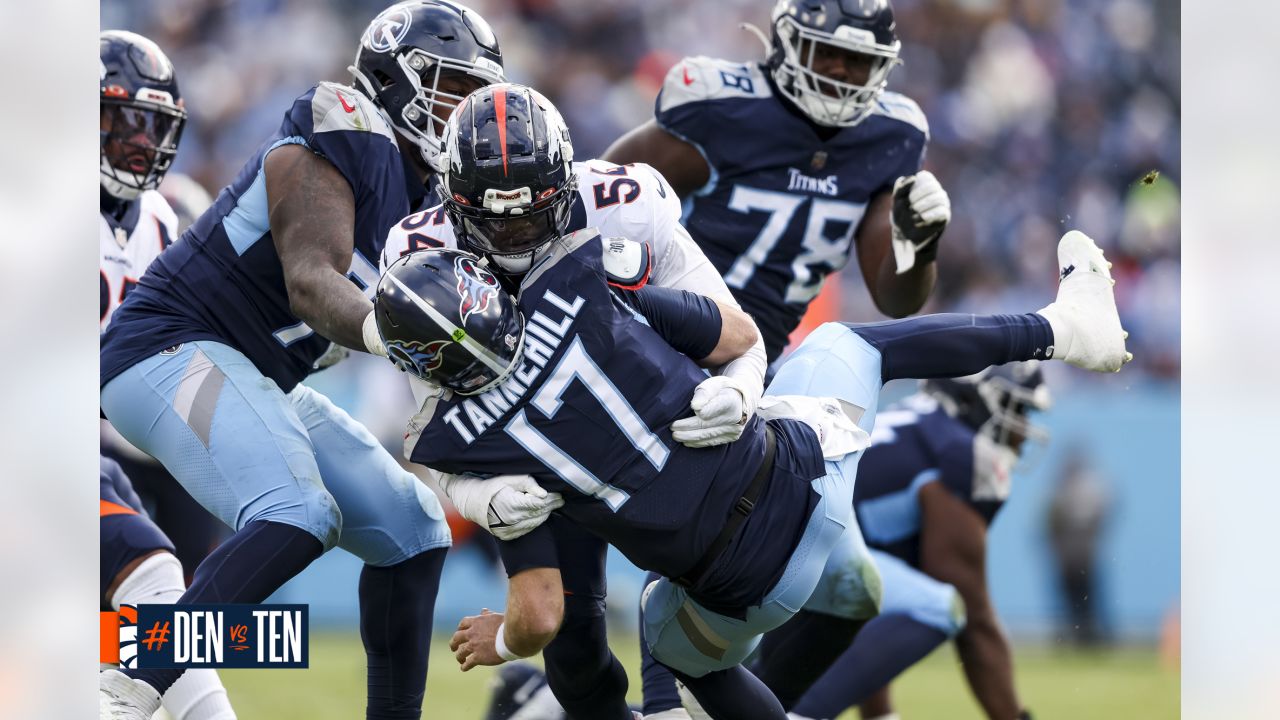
{"x": 910, "y": 139}
{"x": 420, "y": 231}
{"x": 686, "y": 106}
{"x": 535, "y": 549}
{"x": 689, "y": 322}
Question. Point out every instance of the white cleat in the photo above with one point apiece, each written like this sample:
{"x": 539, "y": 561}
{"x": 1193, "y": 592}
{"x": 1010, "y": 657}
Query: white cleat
{"x": 1085, "y": 323}
{"x": 120, "y": 697}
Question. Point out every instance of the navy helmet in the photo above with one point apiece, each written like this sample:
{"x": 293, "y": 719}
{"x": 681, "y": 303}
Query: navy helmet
{"x": 509, "y": 182}
{"x": 997, "y": 402}
{"x": 407, "y": 51}
{"x": 140, "y": 114}
{"x": 832, "y": 58}
{"x": 445, "y": 319}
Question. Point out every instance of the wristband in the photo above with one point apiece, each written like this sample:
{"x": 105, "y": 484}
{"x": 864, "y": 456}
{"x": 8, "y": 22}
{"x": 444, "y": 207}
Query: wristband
{"x": 372, "y": 338}
{"x": 500, "y": 644}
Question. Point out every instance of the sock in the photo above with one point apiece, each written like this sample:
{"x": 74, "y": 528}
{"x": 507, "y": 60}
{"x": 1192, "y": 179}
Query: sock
{"x": 198, "y": 694}
{"x": 583, "y": 673}
{"x": 795, "y": 655}
{"x": 734, "y": 693}
{"x": 955, "y": 345}
{"x": 247, "y": 568}
{"x": 397, "y": 604}
{"x": 888, "y": 645}
{"x": 659, "y": 684}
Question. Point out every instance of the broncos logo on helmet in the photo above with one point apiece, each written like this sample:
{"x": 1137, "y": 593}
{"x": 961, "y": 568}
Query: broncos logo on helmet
{"x": 477, "y": 289}
{"x": 418, "y": 358}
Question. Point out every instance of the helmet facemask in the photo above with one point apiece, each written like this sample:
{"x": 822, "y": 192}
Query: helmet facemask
{"x": 137, "y": 143}
{"x": 517, "y": 231}
{"x": 1010, "y": 423}
{"x": 825, "y": 100}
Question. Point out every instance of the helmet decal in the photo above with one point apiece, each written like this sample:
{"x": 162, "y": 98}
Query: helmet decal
{"x": 476, "y": 289}
{"x": 388, "y": 29}
{"x": 425, "y": 357}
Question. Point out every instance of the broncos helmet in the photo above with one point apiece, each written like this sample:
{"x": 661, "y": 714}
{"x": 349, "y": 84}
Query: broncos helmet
{"x": 813, "y": 38}
{"x": 408, "y": 49}
{"x": 997, "y": 402}
{"x": 509, "y": 182}
{"x": 140, "y": 114}
{"x": 445, "y": 319}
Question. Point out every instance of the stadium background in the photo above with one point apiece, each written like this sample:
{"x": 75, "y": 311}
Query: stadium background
{"x": 1045, "y": 115}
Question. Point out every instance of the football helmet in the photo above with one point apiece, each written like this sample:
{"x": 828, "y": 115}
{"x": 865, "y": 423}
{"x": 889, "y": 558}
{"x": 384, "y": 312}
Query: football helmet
{"x": 445, "y": 319}
{"x": 820, "y": 48}
{"x": 509, "y": 183}
{"x": 997, "y": 402}
{"x": 140, "y": 114}
{"x": 408, "y": 50}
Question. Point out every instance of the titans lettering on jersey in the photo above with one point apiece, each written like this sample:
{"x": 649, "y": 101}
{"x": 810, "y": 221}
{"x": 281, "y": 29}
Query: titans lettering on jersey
{"x": 224, "y": 281}
{"x": 588, "y": 414}
{"x": 782, "y": 205}
{"x": 126, "y": 247}
{"x": 915, "y": 443}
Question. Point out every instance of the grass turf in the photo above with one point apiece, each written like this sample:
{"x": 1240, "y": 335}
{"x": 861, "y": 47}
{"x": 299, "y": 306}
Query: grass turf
{"x": 1121, "y": 683}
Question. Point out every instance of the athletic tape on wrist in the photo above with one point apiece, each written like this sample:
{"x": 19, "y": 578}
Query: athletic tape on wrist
{"x": 500, "y": 644}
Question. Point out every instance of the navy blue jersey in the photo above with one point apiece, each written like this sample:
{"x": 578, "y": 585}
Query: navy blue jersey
{"x": 224, "y": 281}
{"x": 785, "y": 197}
{"x": 588, "y": 414}
{"x": 915, "y": 443}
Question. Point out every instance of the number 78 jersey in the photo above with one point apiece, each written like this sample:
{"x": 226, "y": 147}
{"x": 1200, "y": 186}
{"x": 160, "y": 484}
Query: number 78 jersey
{"x": 785, "y": 197}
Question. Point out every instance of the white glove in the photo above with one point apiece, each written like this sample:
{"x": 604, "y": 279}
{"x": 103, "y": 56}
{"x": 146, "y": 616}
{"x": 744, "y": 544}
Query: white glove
{"x": 372, "y": 338}
{"x": 508, "y": 506}
{"x": 721, "y": 408}
{"x": 921, "y": 211}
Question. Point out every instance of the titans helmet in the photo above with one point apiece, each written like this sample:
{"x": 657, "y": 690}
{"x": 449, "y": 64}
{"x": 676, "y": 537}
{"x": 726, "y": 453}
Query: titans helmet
{"x": 997, "y": 402}
{"x": 140, "y": 114}
{"x": 509, "y": 182}
{"x": 811, "y": 37}
{"x": 408, "y": 50}
{"x": 445, "y": 319}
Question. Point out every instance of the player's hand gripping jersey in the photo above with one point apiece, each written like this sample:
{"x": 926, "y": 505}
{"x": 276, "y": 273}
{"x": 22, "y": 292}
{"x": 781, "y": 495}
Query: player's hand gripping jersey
{"x": 128, "y": 246}
{"x": 588, "y": 415}
{"x": 224, "y": 281}
{"x": 622, "y": 201}
{"x": 916, "y": 442}
{"x": 785, "y": 199}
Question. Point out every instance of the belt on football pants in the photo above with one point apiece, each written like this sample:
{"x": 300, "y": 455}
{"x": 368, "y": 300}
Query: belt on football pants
{"x": 737, "y": 516}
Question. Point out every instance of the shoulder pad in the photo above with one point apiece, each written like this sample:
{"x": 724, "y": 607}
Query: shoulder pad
{"x": 904, "y": 109}
{"x": 700, "y": 78}
{"x": 627, "y": 263}
{"x": 342, "y": 107}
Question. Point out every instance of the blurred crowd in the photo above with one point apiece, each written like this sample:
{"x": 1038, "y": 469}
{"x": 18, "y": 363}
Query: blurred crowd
{"x": 1045, "y": 115}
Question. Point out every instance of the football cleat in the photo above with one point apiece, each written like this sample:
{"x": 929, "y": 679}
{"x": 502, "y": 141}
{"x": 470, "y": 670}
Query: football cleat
{"x": 1084, "y": 319}
{"x": 120, "y": 697}
{"x": 520, "y": 692}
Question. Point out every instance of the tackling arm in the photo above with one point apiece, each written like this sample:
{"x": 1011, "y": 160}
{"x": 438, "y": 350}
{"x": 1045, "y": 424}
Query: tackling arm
{"x": 312, "y": 216}
{"x": 894, "y": 295}
{"x": 953, "y": 550}
{"x": 678, "y": 161}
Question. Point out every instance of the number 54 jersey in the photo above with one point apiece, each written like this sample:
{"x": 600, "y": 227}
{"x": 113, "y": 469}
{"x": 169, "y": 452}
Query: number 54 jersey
{"x": 785, "y": 197}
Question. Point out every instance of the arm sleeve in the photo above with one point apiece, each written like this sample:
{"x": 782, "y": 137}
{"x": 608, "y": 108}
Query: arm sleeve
{"x": 536, "y": 549}
{"x": 688, "y": 322}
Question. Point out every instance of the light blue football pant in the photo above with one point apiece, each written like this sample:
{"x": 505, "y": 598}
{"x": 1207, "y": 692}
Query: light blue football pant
{"x": 910, "y": 592}
{"x": 247, "y": 451}
{"x": 830, "y": 570}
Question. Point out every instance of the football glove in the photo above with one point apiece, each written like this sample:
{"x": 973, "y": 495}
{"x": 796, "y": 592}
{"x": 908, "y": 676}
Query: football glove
{"x": 508, "y": 506}
{"x": 721, "y": 408}
{"x": 921, "y": 211}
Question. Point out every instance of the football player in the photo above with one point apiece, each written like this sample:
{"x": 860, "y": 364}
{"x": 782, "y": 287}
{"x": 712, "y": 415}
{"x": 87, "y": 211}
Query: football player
{"x": 787, "y": 167}
{"x": 140, "y": 120}
{"x": 631, "y": 205}
{"x": 938, "y": 470}
{"x": 201, "y": 365}
{"x": 586, "y": 395}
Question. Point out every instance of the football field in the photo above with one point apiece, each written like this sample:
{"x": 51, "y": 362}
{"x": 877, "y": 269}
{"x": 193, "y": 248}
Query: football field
{"x": 1121, "y": 684}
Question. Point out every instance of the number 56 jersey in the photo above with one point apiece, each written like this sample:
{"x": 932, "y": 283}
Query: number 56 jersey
{"x": 785, "y": 197}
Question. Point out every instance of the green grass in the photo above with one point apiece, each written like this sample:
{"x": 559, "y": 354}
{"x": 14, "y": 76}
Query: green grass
{"x": 1122, "y": 684}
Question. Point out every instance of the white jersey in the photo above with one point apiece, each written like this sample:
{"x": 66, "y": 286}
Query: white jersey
{"x": 126, "y": 250}
{"x": 621, "y": 201}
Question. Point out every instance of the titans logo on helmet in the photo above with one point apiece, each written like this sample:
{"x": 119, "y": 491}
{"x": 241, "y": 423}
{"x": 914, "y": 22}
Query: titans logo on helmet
{"x": 388, "y": 29}
{"x": 476, "y": 288}
{"x": 411, "y": 354}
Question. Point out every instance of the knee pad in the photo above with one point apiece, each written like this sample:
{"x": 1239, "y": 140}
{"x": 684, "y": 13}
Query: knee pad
{"x": 158, "y": 580}
{"x": 314, "y": 511}
{"x": 125, "y": 537}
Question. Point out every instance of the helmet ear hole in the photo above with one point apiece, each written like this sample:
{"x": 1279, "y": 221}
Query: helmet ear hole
{"x": 384, "y": 80}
